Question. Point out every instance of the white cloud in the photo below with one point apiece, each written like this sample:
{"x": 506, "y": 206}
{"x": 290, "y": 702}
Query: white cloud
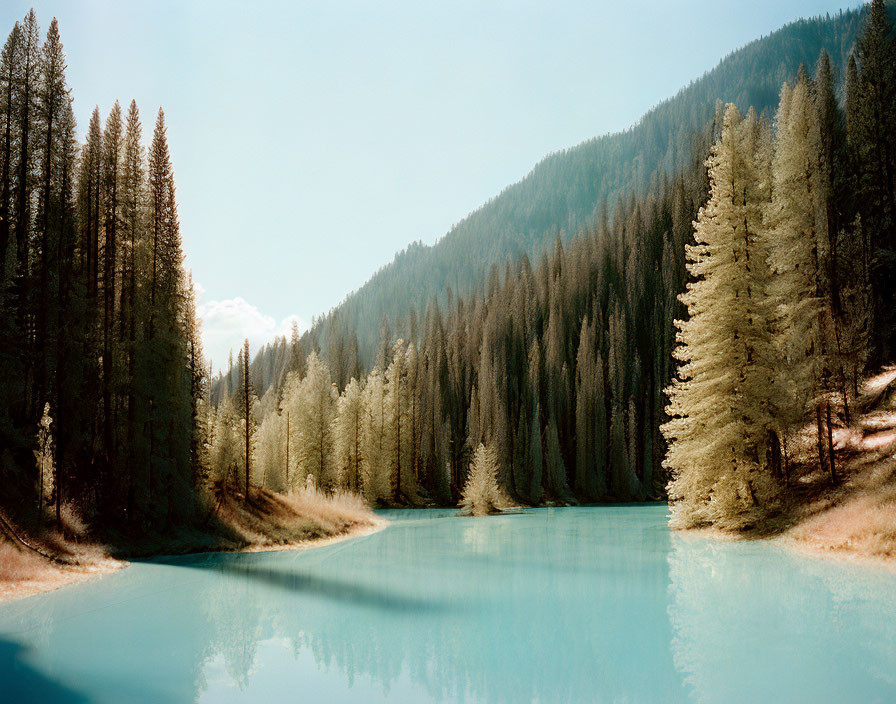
{"x": 225, "y": 324}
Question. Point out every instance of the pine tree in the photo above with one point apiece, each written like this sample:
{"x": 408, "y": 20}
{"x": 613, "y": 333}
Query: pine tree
{"x": 27, "y": 90}
{"x": 270, "y": 451}
{"x": 376, "y": 441}
{"x": 348, "y": 436}
{"x": 196, "y": 371}
{"x": 225, "y": 447}
{"x": 794, "y": 258}
{"x": 51, "y": 106}
{"x": 590, "y": 417}
{"x": 111, "y": 159}
{"x": 399, "y": 390}
{"x": 245, "y": 406}
{"x": 719, "y": 406}
{"x": 72, "y": 418}
{"x": 312, "y": 407}
{"x": 133, "y": 252}
{"x": 90, "y": 182}
{"x": 481, "y": 495}
{"x": 8, "y": 72}
{"x": 168, "y": 396}
{"x": 872, "y": 107}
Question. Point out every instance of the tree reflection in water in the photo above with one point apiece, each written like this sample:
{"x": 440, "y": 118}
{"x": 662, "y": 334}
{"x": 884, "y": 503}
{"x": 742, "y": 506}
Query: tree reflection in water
{"x": 755, "y": 623}
{"x": 577, "y": 604}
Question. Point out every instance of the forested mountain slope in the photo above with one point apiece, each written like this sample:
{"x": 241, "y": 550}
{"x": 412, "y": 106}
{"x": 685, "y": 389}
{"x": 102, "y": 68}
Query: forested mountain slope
{"x": 566, "y": 191}
{"x": 711, "y": 333}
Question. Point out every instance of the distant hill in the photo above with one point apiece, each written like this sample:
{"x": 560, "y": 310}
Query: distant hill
{"x": 567, "y": 190}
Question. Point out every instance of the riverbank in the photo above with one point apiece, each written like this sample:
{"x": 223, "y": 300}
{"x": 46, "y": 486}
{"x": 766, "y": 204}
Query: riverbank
{"x": 269, "y": 521}
{"x": 855, "y": 519}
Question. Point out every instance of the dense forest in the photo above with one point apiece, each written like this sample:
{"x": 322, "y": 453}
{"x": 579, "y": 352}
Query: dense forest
{"x": 560, "y": 369}
{"x": 100, "y": 370}
{"x": 566, "y": 192}
{"x": 791, "y": 285}
{"x": 728, "y": 297}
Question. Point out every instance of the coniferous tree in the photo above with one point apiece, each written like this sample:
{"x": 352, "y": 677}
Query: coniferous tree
{"x": 872, "y": 105}
{"x": 311, "y": 404}
{"x": 111, "y": 158}
{"x": 72, "y": 418}
{"x": 376, "y": 441}
{"x": 245, "y": 406}
{"x": 52, "y": 102}
{"x": 133, "y": 259}
{"x": 270, "y": 452}
{"x": 8, "y": 73}
{"x": 347, "y": 433}
{"x": 795, "y": 260}
{"x": 25, "y": 108}
{"x": 719, "y": 406}
{"x": 482, "y": 495}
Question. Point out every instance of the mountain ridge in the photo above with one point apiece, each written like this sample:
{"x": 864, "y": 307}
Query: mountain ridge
{"x": 568, "y": 190}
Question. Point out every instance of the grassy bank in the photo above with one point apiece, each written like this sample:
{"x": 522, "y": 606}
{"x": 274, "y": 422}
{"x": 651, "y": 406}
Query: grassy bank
{"x": 268, "y": 521}
{"x": 854, "y": 518}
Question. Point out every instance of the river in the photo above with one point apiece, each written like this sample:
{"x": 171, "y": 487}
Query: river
{"x": 548, "y": 605}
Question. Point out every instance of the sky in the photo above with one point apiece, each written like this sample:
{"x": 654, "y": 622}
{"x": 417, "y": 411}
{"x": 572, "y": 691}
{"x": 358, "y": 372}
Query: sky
{"x": 311, "y": 141}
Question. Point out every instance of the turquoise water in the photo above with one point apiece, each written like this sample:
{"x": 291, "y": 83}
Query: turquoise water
{"x": 551, "y": 605}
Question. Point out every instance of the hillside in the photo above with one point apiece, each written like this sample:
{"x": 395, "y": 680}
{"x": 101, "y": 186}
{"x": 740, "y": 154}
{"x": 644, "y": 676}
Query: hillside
{"x": 566, "y": 191}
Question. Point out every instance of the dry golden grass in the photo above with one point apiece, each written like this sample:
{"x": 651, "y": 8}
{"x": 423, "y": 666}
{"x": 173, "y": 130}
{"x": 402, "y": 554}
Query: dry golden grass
{"x": 24, "y": 572}
{"x": 267, "y": 521}
{"x": 864, "y": 526}
{"x": 856, "y": 519}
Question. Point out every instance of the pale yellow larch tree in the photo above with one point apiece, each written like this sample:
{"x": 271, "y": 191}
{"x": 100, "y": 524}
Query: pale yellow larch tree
{"x": 481, "y": 494}
{"x": 720, "y": 406}
{"x": 399, "y": 390}
{"x": 348, "y": 436}
{"x": 794, "y": 246}
{"x": 270, "y": 452}
{"x": 225, "y": 447}
{"x": 377, "y": 445}
{"x": 312, "y": 407}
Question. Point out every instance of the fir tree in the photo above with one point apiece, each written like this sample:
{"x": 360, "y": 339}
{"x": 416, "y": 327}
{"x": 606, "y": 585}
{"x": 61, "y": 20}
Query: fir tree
{"x": 719, "y": 406}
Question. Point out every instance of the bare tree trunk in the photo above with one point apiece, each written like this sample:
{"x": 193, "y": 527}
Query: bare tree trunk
{"x": 831, "y": 461}
{"x": 786, "y": 464}
{"x": 774, "y": 454}
{"x": 819, "y": 436}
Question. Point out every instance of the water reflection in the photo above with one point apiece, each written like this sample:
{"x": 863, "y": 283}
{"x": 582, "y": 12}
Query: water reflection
{"x": 555, "y": 605}
{"x": 754, "y": 623}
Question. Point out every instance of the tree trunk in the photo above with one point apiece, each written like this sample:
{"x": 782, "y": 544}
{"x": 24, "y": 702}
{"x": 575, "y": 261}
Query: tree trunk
{"x": 774, "y": 454}
{"x": 833, "y": 466}
{"x": 786, "y": 463}
{"x": 819, "y": 436}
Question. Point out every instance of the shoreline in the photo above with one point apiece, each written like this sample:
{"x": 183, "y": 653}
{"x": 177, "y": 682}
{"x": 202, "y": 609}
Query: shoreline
{"x": 790, "y": 542}
{"x": 64, "y": 577}
{"x": 793, "y": 539}
{"x": 835, "y": 554}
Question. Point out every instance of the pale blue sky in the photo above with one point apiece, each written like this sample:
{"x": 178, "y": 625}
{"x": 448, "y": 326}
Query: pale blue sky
{"x": 311, "y": 141}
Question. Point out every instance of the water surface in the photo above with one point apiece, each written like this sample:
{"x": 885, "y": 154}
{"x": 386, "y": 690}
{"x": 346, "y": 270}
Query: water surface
{"x": 550, "y": 605}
